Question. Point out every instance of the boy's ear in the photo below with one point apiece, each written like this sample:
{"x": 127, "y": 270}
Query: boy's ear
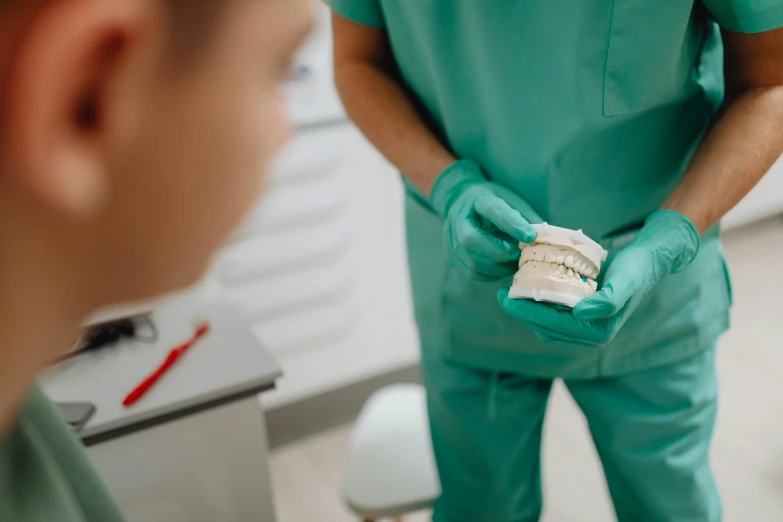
{"x": 61, "y": 109}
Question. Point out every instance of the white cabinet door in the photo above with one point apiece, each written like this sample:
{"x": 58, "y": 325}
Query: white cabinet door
{"x": 319, "y": 266}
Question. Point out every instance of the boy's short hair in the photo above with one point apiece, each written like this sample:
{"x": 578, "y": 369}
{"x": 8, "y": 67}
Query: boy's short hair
{"x": 192, "y": 22}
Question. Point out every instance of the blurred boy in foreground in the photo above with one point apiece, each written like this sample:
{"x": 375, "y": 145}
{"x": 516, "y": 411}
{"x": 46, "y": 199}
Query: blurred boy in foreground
{"x": 134, "y": 137}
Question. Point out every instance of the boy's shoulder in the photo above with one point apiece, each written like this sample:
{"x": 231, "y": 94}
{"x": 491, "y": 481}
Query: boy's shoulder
{"x": 45, "y": 475}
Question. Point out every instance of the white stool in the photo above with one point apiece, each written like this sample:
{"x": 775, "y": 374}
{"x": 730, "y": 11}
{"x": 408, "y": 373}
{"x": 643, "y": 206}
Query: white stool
{"x": 390, "y": 470}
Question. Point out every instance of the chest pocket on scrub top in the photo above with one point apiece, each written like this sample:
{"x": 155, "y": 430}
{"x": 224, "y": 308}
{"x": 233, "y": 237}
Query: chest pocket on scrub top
{"x": 653, "y": 54}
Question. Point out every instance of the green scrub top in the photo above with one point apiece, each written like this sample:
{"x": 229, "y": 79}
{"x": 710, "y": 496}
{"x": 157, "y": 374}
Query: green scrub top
{"x": 45, "y": 475}
{"x": 591, "y": 111}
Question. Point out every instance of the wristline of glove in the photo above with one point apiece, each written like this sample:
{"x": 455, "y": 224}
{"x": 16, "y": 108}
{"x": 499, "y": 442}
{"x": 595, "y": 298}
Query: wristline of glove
{"x": 448, "y": 185}
{"x": 682, "y": 239}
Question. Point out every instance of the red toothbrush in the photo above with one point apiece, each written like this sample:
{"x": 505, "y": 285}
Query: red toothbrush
{"x": 167, "y": 363}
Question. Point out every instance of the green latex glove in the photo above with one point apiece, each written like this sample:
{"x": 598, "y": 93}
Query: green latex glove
{"x": 484, "y": 222}
{"x": 667, "y": 244}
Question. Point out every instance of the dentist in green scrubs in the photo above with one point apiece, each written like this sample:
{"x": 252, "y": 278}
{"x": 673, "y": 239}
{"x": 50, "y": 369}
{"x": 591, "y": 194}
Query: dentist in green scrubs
{"x": 641, "y": 122}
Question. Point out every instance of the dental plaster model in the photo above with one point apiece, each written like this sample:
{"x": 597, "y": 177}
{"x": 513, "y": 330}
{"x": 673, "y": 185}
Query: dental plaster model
{"x": 560, "y": 266}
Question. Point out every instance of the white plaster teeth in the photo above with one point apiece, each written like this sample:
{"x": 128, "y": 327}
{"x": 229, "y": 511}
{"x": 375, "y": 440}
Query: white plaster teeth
{"x": 553, "y": 255}
{"x": 564, "y": 266}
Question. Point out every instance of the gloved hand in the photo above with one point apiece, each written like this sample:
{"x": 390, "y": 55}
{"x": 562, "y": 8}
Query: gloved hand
{"x": 667, "y": 243}
{"x": 484, "y": 222}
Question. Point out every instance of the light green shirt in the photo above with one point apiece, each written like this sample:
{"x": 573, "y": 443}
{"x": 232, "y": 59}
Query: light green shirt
{"x": 45, "y": 475}
{"x": 589, "y": 110}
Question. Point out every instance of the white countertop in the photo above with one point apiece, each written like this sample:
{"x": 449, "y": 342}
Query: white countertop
{"x": 225, "y": 365}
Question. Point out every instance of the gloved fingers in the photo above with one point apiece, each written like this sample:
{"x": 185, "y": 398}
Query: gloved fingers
{"x": 610, "y": 300}
{"x": 626, "y": 276}
{"x": 517, "y": 203}
{"x": 490, "y": 228}
{"x": 481, "y": 269}
{"x": 600, "y": 305}
{"x": 542, "y": 316}
{"x": 477, "y": 255}
{"x": 602, "y": 276}
{"x": 500, "y": 214}
{"x": 470, "y": 236}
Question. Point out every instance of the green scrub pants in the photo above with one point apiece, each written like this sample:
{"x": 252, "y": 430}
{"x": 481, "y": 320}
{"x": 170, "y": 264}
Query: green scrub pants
{"x": 652, "y": 430}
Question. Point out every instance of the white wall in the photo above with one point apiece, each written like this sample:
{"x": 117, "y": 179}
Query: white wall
{"x": 319, "y": 267}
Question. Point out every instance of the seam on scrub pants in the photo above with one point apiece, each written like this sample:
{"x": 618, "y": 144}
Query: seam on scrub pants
{"x": 492, "y": 395}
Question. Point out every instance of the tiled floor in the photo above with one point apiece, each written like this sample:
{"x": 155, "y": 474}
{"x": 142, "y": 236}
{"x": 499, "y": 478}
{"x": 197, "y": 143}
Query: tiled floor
{"x": 748, "y": 448}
